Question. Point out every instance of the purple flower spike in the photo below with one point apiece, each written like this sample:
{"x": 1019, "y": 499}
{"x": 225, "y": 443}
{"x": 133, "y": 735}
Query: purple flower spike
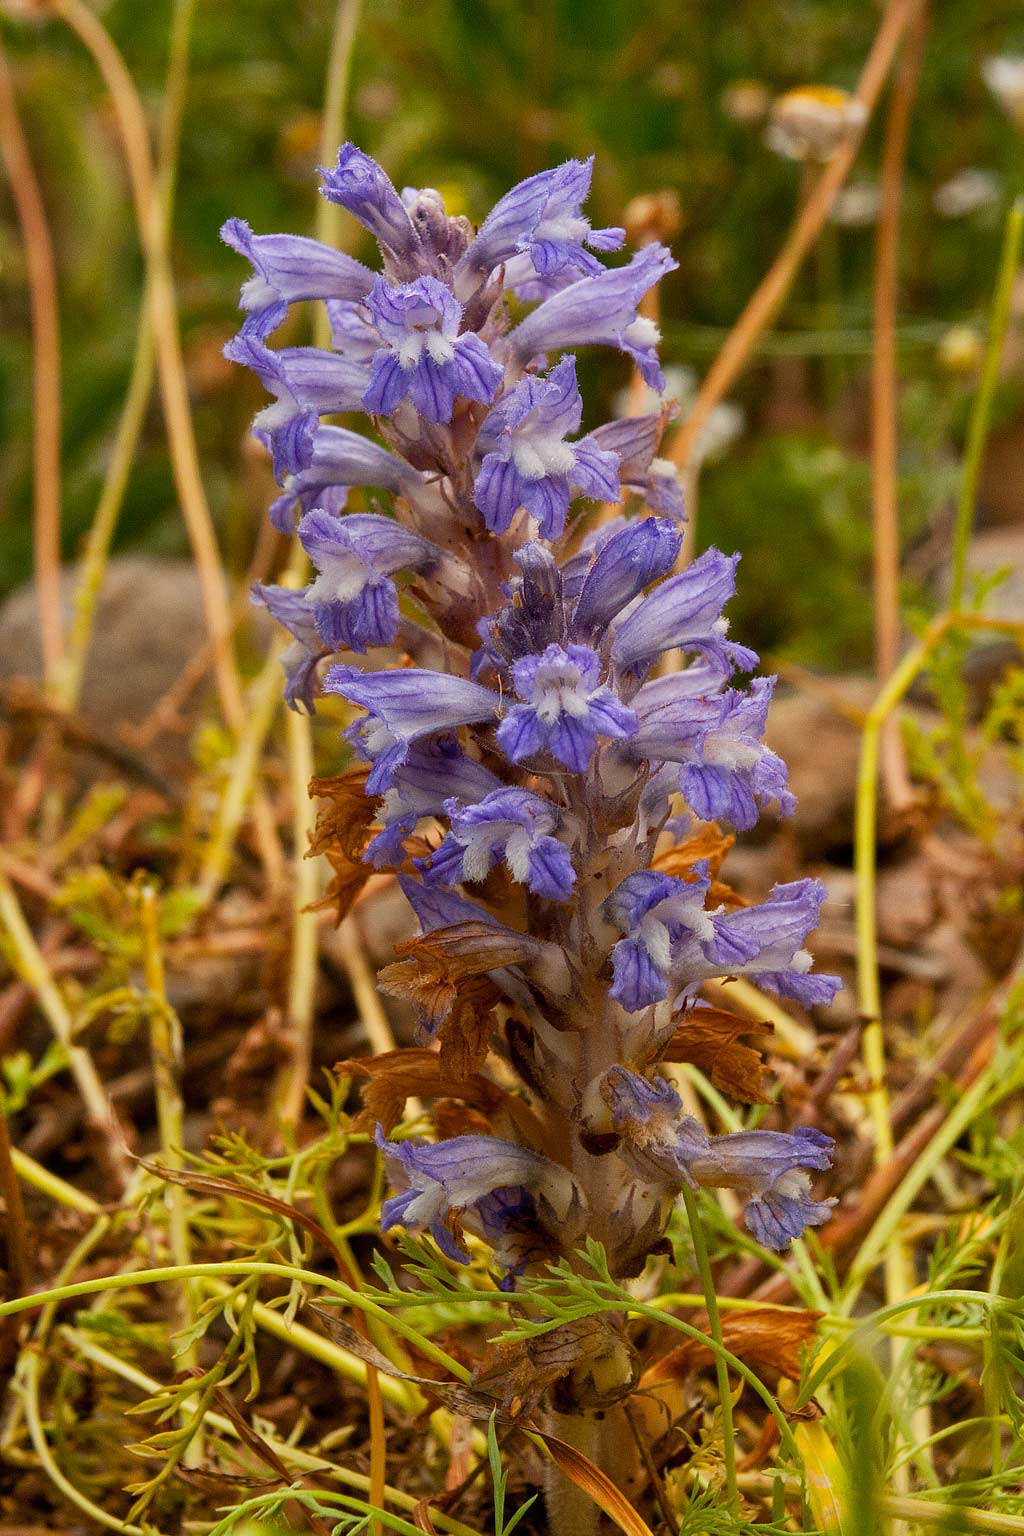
{"x": 423, "y": 354}
{"x": 655, "y": 912}
{"x": 354, "y": 602}
{"x": 445, "y": 1178}
{"x": 601, "y": 311}
{"x": 542, "y": 219}
{"x": 532, "y": 742}
{"x": 685, "y": 611}
{"x": 728, "y": 772}
{"x": 624, "y": 566}
{"x": 306, "y": 383}
{"x": 359, "y": 184}
{"x": 291, "y": 608}
{"x": 527, "y": 462}
{"x": 404, "y": 706}
{"x": 566, "y": 708}
{"x": 509, "y": 824}
{"x": 288, "y": 269}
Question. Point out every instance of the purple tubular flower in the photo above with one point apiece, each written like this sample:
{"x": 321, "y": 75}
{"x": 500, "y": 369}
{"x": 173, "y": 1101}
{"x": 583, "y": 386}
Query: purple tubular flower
{"x": 423, "y": 354}
{"x": 437, "y": 908}
{"x": 728, "y": 772}
{"x": 731, "y": 772}
{"x": 766, "y": 943}
{"x": 527, "y": 462}
{"x": 445, "y": 1178}
{"x": 541, "y": 219}
{"x": 431, "y": 773}
{"x": 629, "y": 561}
{"x": 770, "y": 1169}
{"x": 655, "y": 912}
{"x": 359, "y": 184}
{"x": 404, "y": 706}
{"x": 340, "y": 459}
{"x": 288, "y": 269}
{"x": 684, "y": 611}
{"x": 512, "y": 824}
{"x": 602, "y": 311}
{"x": 354, "y": 602}
{"x": 351, "y": 332}
{"x": 306, "y": 383}
{"x": 291, "y": 608}
{"x": 635, "y": 439}
{"x": 565, "y": 708}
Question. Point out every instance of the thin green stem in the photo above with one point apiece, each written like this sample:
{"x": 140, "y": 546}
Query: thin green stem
{"x": 161, "y": 1275}
{"x": 700, "y": 1252}
{"x": 981, "y": 416}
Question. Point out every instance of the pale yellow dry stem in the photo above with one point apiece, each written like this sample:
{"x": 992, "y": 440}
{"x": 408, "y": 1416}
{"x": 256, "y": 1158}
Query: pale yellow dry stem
{"x": 884, "y": 401}
{"x": 96, "y": 550}
{"x": 166, "y": 1044}
{"x": 742, "y": 340}
{"x": 258, "y": 717}
{"x": 46, "y": 405}
{"x": 131, "y": 122}
{"x": 885, "y": 523}
{"x": 32, "y": 967}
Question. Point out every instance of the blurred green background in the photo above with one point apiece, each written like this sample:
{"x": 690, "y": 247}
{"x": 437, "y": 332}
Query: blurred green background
{"x": 469, "y": 97}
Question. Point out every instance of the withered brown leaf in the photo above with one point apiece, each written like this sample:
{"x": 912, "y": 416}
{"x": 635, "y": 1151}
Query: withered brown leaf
{"x": 707, "y": 842}
{"x": 589, "y": 1356}
{"x": 343, "y": 821}
{"x": 394, "y": 1076}
{"x": 772, "y": 1338}
{"x": 446, "y": 974}
{"x": 712, "y": 1039}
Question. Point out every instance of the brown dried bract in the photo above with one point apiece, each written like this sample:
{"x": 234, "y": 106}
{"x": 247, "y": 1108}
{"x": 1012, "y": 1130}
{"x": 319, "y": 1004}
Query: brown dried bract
{"x": 395, "y": 1076}
{"x": 772, "y": 1338}
{"x": 341, "y": 833}
{"x": 589, "y": 1359}
{"x": 446, "y": 974}
{"x": 708, "y": 842}
{"x": 713, "y": 1040}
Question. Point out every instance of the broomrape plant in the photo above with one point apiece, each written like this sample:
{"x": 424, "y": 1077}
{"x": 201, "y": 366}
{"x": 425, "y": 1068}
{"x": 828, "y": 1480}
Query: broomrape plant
{"x": 545, "y": 787}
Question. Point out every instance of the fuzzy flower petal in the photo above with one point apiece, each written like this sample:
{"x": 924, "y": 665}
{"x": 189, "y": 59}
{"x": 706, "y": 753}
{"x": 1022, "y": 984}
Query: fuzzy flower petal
{"x": 509, "y": 824}
{"x": 291, "y": 608}
{"x": 655, "y": 912}
{"x": 359, "y": 184}
{"x": 565, "y": 708}
{"x": 423, "y": 354}
{"x": 440, "y": 1180}
{"x": 403, "y": 706}
{"x": 684, "y": 611}
{"x": 354, "y": 601}
{"x": 541, "y": 219}
{"x": 527, "y": 461}
{"x": 601, "y": 310}
{"x": 769, "y": 1169}
{"x": 288, "y": 269}
{"x": 340, "y": 459}
{"x": 306, "y": 383}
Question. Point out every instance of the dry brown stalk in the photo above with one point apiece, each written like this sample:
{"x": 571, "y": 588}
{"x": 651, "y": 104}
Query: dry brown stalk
{"x": 42, "y": 289}
{"x": 181, "y": 443}
{"x": 884, "y": 399}
{"x": 739, "y": 345}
